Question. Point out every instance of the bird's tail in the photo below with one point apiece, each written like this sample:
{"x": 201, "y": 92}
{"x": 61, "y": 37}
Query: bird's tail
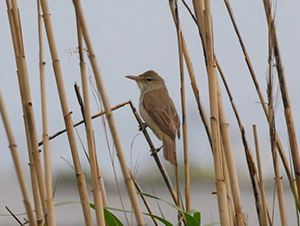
{"x": 169, "y": 146}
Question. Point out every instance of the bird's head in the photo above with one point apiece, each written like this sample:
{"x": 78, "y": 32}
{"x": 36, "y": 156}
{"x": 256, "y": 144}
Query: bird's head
{"x": 148, "y": 80}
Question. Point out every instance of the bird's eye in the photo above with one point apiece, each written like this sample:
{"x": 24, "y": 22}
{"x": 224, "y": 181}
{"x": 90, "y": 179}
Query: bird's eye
{"x": 149, "y": 79}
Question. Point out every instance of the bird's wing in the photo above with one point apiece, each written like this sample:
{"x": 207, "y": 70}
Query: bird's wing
{"x": 161, "y": 109}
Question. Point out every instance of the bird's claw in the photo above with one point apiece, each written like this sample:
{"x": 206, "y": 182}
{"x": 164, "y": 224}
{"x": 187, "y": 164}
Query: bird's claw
{"x": 143, "y": 126}
{"x": 155, "y": 151}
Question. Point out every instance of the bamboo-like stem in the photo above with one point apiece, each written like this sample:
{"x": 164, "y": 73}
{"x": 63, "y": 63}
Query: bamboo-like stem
{"x": 266, "y": 212}
{"x": 89, "y": 133}
{"x": 213, "y": 96}
{"x": 15, "y": 25}
{"x": 285, "y": 95}
{"x": 231, "y": 211}
{"x": 194, "y": 84}
{"x": 46, "y": 146}
{"x": 34, "y": 183}
{"x": 261, "y": 98}
{"x": 174, "y": 4}
{"x": 82, "y": 121}
{"x": 147, "y": 205}
{"x": 248, "y": 152}
{"x": 81, "y": 182}
{"x": 17, "y": 163}
{"x": 225, "y": 135}
{"x": 110, "y": 117}
{"x": 272, "y": 129}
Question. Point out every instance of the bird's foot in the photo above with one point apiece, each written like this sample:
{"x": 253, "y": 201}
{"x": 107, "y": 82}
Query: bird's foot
{"x": 155, "y": 151}
{"x": 143, "y": 126}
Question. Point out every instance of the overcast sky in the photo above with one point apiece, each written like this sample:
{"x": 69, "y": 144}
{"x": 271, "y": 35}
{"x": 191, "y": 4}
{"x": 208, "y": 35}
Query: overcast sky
{"x": 130, "y": 37}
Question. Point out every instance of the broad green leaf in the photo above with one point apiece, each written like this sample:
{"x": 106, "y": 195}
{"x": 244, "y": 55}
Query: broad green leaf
{"x": 111, "y": 219}
{"x": 190, "y": 221}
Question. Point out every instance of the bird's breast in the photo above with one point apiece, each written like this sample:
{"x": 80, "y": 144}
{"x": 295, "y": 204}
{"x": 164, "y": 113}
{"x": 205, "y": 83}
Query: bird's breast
{"x": 150, "y": 122}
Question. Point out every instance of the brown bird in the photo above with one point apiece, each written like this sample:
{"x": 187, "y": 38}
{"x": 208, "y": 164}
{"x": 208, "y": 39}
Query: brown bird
{"x": 158, "y": 111}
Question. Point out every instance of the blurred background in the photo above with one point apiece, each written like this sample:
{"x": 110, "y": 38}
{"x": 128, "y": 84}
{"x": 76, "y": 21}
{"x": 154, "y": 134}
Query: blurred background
{"x": 130, "y": 37}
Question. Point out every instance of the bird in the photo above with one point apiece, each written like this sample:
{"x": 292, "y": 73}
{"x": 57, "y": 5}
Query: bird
{"x": 158, "y": 111}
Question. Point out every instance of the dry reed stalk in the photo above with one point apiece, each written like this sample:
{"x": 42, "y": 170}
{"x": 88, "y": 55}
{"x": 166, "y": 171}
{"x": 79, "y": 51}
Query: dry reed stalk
{"x": 272, "y": 129}
{"x": 82, "y": 121}
{"x": 89, "y": 133}
{"x": 285, "y": 94}
{"x": 248, "y": 153}
{"x": 17, "y": 163}
{"x": 266, "y": 211}
{"x": 46, "y": 146}
{"x": 184, "y": 112}
{"x": 81, "y": 182}
{"x": 34, "y": 183}
{"x": 231, "y": 210}
{"x": 15, "y": 24}
{"x": 110, "y": 117}
{"x": 225, "y": 135}
{"x": 261, "y": 98}
{"x": 215, "y": 127}
{"x": 147, "y": 205}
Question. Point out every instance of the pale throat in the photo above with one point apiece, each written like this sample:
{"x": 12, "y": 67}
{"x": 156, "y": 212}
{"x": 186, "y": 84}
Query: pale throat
{"x": 145, "y": 87}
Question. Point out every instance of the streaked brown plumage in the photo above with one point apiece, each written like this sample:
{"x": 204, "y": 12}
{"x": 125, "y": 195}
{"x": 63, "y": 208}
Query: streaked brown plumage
{"x": 158, "y": 111}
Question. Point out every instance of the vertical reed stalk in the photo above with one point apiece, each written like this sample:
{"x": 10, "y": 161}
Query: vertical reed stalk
{"x": 206, "y": 19}
{"x": 89, "y": 133}
{"x": 46, "y": 146}
{"x": 81, "y": 182}
{"x": 261, "y": 179}
{"x": 272, "y": 129}
{"x": 17, "y": 163}
{"x": 261, "y": 98}
{"x": 285, "y": 94}
{"x": 225, "y": 135}
{"x": 248, "y": 153}
{"x": 15, "y": 24}
{"x": 110, "y": 117}
{"x": 34, "y": 183}
{"x": 183, "y": 108}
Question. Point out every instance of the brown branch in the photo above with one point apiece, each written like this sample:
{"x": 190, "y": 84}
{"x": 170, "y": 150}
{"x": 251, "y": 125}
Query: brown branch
{"x": 82, "y": 121}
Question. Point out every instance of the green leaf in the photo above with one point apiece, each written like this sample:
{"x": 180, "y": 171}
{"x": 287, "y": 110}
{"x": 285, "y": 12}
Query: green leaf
{"x": 211, "y": 224}
{"x": 162, "y": 220}
{"x": 55, "y": 186}
{"x": 169, "y": 203}
{"x": 190, "y": 221}
{"x": 65, "y": 203}
{"x": 196, "y": 215}
{"x": 111, "y": 219}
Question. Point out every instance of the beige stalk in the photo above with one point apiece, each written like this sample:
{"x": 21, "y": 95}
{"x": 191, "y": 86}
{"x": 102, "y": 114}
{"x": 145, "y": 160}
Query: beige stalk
{"x": 81, "y": 182}
{"x": 89, "y": 133}
{"x": 17, "y": 163}
{"x": 111, "y": 121}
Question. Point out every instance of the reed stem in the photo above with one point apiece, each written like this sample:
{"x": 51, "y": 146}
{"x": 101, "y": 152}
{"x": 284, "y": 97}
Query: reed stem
{"x": 81, "y": 182}
{"x": 110, "y": 117}
{"x": 89, "y": 133}
{"x": 17, "y": 163}
{"x": 46, "y": 147}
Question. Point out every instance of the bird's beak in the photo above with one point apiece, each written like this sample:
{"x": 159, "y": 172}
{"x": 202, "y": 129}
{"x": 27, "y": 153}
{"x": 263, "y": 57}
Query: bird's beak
{"x": 135, "y": 78}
